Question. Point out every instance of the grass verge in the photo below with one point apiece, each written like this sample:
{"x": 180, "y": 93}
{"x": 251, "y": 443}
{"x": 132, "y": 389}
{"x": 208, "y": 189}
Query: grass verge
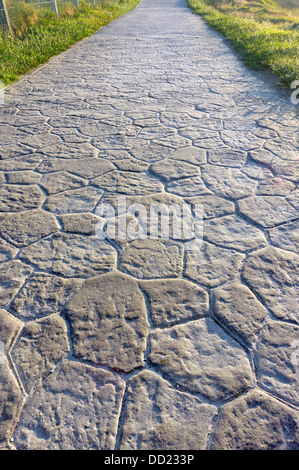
{"x": 263, "y": 32}
{"x": 40, "y": 35}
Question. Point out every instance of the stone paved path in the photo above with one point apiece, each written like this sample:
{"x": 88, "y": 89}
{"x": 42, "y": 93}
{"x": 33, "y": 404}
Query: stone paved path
{"x": 145, "y": 344}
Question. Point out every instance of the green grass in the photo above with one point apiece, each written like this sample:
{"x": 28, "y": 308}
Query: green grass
{"x": 40, "y": 35}
{"x": 264, "y": 33}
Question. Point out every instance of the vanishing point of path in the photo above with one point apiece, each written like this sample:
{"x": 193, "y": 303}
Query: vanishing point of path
{"x": 149, "y": 343}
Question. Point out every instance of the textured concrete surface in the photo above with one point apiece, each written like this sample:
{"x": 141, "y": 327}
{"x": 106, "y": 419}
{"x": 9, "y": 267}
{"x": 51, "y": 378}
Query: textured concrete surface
{"x": 127, "y": 343}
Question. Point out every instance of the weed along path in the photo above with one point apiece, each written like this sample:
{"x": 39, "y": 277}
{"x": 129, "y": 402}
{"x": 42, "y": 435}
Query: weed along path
{"x": 149, "y": 246}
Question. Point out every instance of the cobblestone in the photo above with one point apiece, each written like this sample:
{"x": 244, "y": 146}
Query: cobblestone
{"x": 152, "y": 343}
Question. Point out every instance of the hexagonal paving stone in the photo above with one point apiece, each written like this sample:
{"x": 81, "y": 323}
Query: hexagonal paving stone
{"x": 256, "y": 171}
{"x": 116, "y": 141}
{"x": 10, "y": 327}
{"x": 187, "y": 187}
{"x": 17, "y": 198}
{"x": 130, "y": 183}
{"x": 288, "y": 170}
{"x": 112, "y": 155}
{"x": 267, "y": 211}
{"x": 72, "y": 121}
{"x": 286, "y": 236}
{"x": 11, "y": 401}
{"x": 75, "y": 400}
{"x": 119, "y": 202}
{"x": 12, "y": 276}
{"x": 172, "y": 140}
{"x": 121, "y": 230}
{"x": 212, "y": 206}
{"x": 232, "y": 232}
{"x": 22, "y": 177}
{"x": 84, "y": 167}
{"x": 278, "y": 360}
{"x": 146, "y": 151}
{"x": 208, "y": 139}
{"x": 14, "y": 150}
{"x": 7, "y": 251}
{"x": 109, "y": 322}
{"x": 152, "y": 258}
{"x": 264, "y": 157}
{"x": 39, "y": 140}
{"x": 178, "y": 118}
{"x": 83, "y": 222}
{"x": 161, "y": 198}
{"x": 173, "y": 301}
{"x": 41, "y": 345}
{"x": 273, "y": 274}
{"x": 283, "y": 147}
{"x": 227, "y": 182}
{"x": 42, "y": 295}
{"x": 33, "y": 128}
{"x": 74, "y": 200}
{"x": 229, "y": 157}
{"x": 275, "y": 187}
{"x": 256, "y": 421}
{"x": 27, "y": 227}
{"x": 159, "y": 133}
{"x": 66, "y": 150}
{"x": 190, "y": 155}
{"x": 71, "y": 255}
{"x": 23, "y": 162}
{"x": 237, "y": 308}
{"x": 159, "y": 417}
{"x": 147, "y": 122}
{"x": 59, "y": 181}
{"x": 211, "y": 265}
{"x": 173, "y": 169}
{"x": 200, "y": 357}
{"x": 162, "y": 215}
{"x": 131, "y": 164}
{"x": 293, "y": 199}
{"x": 241, "y": 139}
